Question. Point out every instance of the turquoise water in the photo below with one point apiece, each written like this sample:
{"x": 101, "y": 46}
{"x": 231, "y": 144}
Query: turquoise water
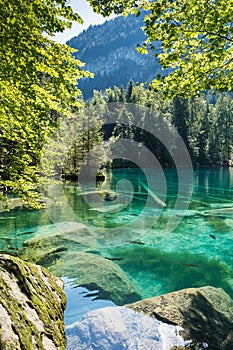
{"x": 159, "y": 249}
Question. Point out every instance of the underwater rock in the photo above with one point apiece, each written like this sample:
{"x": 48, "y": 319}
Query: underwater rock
{"x": 96, "y": 273}
{"x": 46, "y": 251}
{"x": 76, "y": 231}
{"x": 49, "y": 242}
{"x": 121, "y": 328}
{"x": 205, "y": 313}
{"x": 32, "y": 303}
{"x": 68, "y": 227}
{"x": 66, "y": 230}
{"x": 110, "y": 208}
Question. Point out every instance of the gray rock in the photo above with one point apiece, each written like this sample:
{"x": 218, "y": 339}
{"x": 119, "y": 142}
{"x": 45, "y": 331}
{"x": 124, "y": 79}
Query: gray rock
{"x": 96, "y": 273}
{"x": 118, "y": 328}
{"x": 32, "y": 303}
{"x": 205, "y": 313}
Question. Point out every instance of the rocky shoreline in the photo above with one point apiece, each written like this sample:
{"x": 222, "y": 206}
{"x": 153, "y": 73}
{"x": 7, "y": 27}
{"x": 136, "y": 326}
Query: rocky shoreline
{"x": 32, "y": 304}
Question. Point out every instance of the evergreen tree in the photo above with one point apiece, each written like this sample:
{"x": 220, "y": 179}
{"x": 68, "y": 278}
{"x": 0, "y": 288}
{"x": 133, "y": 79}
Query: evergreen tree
{"x": 180, "y": 117}
{"x": 206, "y": 128}
{"x": 129, "y": 90}
{"x": 224, "y": 128}
{"x": 203, "y": 137}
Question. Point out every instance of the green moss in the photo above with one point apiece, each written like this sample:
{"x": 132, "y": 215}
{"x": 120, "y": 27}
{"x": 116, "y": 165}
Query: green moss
{"x": 21, "y": 326}
{"x": 7, "y": 345}
{"x": 45, "y": 303}
{"x": 218, "y": 224}
{"x": 170, "y": 270}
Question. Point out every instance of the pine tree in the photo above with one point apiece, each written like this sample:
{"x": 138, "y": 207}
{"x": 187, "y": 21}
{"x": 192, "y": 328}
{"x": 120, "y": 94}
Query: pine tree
{"x": 129, "y": 90}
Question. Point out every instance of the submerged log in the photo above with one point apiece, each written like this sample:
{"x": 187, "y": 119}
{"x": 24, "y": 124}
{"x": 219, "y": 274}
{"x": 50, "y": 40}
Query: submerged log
{"x": 153, "y": 195}
{"x": 222, "y": 212}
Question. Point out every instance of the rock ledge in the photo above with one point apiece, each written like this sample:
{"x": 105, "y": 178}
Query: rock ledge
{"x": 206, "y": 314}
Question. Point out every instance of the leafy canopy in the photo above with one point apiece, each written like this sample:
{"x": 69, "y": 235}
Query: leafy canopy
{"x": 38, "y": 82}
{"x": 194, "y": 41}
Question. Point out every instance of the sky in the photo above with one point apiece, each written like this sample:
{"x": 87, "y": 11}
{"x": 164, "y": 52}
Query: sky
{"x": 83, "y": 8}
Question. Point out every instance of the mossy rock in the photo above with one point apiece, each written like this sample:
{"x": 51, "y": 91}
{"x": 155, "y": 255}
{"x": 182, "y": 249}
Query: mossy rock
{"x": 32, "y": 304}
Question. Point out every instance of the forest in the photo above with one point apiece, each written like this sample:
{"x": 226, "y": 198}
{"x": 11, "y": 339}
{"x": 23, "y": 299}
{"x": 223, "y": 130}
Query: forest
{"x": 40, "y": 86}
{"x": 205, "y": 124}
{"x": 103, "y": 39}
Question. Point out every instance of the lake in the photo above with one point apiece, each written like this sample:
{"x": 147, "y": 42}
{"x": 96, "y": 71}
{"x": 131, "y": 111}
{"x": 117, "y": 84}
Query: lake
{"x": 161, "y": 231}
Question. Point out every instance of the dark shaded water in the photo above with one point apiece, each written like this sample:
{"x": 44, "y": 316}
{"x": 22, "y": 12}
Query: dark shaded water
{"x": 159, "y": 248}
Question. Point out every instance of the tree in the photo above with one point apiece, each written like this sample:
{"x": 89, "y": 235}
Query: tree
{"x": 223, "y": 128}
{"x": 180, "y": 117}
{"x": 192, "y": 39}
{"x": 129, "y": 90}
{"x": 76, "y": 143}
{"x": 38, "y": 84}
{"x": 203, "y": 122}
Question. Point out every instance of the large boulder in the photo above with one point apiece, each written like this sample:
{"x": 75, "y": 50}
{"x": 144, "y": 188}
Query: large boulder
{"x": 96, "y": 273}
{"x": 32, "y": 303}
{"x": 205, "y": 313}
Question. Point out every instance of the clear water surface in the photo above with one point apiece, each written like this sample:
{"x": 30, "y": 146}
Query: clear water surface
{"x": 132, "y": 230}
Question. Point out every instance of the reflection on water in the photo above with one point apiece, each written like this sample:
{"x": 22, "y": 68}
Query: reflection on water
{"x": 81, "y": 301}
{"x": 129, "y": 233}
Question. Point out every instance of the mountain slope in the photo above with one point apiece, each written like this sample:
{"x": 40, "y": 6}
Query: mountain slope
{"x": 109, "y": 51}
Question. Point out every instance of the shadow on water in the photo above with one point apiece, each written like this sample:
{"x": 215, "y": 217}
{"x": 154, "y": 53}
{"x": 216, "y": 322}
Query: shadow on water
{"x": 156, "y": 272}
